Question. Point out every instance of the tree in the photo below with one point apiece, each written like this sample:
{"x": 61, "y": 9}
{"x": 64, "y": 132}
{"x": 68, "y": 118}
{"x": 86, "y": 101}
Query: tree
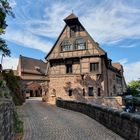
{"x": 134, "y": 87}
{"x": 3, "y": 48}
{"x": 14, "y": 84}
{"x": 5, "y": 10}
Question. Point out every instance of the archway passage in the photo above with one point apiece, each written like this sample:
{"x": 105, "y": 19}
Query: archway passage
{"x": 35, "y": 89}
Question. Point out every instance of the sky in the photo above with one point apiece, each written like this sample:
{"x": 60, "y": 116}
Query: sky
{"x": 114, "y": 24}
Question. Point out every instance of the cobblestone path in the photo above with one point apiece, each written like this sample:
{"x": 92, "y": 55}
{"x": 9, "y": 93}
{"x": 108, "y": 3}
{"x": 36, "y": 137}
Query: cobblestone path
{"x": 48, "y": 122}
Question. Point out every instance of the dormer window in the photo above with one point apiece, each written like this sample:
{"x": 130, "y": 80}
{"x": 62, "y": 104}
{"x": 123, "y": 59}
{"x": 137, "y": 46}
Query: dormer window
{"x": 66, "y": 46}
{"x": 80, "y": 44}
{"x": 72, "y": 31}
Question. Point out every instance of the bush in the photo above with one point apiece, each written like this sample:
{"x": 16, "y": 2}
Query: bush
{"x": 4, "y": 90}
{"x": 14, "y": 84}
{"x": 134, "y": 87}
{"x": 18, "y": 124}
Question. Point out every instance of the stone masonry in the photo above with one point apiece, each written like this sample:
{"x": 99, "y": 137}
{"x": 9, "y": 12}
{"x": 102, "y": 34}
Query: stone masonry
{"x": 6, "y": 119}
{"x": 48, "y": 122}
{"x": 125, "y": 124}
{"x": 77, "y": 67}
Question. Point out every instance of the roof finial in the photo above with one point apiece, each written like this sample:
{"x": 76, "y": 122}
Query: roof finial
{"x": 72, "y": 11}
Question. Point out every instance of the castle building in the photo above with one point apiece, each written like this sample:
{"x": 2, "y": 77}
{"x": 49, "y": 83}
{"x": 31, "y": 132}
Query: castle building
{"x": 78, "y": 68}
{"x": 32, "y": 73}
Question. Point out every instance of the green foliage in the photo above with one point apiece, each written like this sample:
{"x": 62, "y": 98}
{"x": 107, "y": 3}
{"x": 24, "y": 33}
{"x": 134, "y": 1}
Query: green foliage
{"x": 4, "y": 90}
{"x": 18, "y": 124}
{"x": 134, "y": 87}
{"x": 5, "y": 10}
{"x": 3, "y": 48}
{"x": 14, "y": 85}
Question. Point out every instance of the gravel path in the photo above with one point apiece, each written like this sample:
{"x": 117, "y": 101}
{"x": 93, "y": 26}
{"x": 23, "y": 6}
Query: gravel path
{"x": 48, "y": 122}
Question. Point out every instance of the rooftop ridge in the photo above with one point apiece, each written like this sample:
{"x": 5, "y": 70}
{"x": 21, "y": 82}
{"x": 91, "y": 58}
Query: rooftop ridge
{"x": 21, "y": 56}
{"x": 71, "y": 16}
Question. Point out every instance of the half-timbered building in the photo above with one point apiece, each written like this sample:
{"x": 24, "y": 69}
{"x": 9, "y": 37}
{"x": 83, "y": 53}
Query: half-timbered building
{"x": 78, "y": 68}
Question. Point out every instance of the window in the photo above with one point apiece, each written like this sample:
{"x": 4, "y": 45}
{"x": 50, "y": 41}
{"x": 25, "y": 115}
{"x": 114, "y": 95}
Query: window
{"x": 99, "y": 92}
{"x": 83, "y": 92}
{"x": 72, "y": 31}
{"x": 66, "y": 46}
{"x": 118, "y": 79}
{"x": 90, "y": 91}
{"x": 80, "y": 44}
{"x": 70, "y": 92}
{"x": 94, "y": 67}
{"x": 69, "y": 68}
{"x": 114, "y": 90}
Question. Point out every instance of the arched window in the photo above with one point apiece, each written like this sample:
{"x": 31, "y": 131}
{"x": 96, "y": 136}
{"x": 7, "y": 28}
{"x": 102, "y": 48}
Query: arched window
{"x": 66, "y": 46}
{"x": 80, "y": 44}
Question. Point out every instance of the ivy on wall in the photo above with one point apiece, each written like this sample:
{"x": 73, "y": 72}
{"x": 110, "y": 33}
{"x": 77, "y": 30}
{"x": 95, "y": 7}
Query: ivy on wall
{"x": 14, "y": 84}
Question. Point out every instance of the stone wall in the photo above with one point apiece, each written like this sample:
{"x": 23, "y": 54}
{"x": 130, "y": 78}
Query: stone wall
{"x": 63, "y": 83}
{"x": 6, "y": 119}
{"x": 125, "y": 124}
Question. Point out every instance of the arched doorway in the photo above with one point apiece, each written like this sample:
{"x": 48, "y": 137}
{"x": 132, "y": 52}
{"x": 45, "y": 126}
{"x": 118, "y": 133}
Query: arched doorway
{"x": 35, "y": 89}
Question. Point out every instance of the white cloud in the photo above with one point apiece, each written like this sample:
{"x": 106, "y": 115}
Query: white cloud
{"x": 52, "y": 22}
{"x": 106, "y": 21}
{"x": 132, "y": 71}
{"x": 127, "y": 46}
{"x": 27, "y": 39}
{"x": 123, "y": 61}
{"x": 12, "y": 3}
{"x": 112, "y": 21}
{"x": 10, "y": 63}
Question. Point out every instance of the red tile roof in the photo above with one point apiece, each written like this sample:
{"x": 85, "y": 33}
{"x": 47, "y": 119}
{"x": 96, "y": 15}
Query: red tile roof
{"x": 117, "y": 66}
{"x": 30, "y": 65}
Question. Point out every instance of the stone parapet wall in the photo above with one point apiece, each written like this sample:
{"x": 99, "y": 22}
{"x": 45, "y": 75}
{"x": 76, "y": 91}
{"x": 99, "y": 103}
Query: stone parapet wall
{"x": 125, "y": 124}
{"x": 6, "y": 119}
{"x": 111, "y": 102}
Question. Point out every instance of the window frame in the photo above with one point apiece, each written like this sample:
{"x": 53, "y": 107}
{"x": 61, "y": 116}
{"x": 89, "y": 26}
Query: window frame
{"x": 80, "y": 45}
{"x": 89, "y": 92}
{"x": 66, "y": 46}
{"x": 94, "y": 66}
{"x": 69, "y": 70}
{"x": 73, "y": 31}
{"x": 99, "y": 92}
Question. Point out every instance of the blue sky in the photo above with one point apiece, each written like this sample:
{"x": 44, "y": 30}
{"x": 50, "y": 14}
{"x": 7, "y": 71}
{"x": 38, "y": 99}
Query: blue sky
{"x": 114, "y": 24}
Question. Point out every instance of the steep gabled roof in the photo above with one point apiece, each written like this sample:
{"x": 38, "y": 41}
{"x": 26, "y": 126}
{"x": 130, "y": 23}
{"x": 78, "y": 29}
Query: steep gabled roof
{"x": 30, "y": 65}
{"x": 70, "y": 18}
{"x": 55, "y": 42}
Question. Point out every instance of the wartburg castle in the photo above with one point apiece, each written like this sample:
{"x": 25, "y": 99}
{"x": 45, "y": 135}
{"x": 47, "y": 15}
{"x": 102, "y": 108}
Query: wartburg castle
{"x": 75, "y": 68}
